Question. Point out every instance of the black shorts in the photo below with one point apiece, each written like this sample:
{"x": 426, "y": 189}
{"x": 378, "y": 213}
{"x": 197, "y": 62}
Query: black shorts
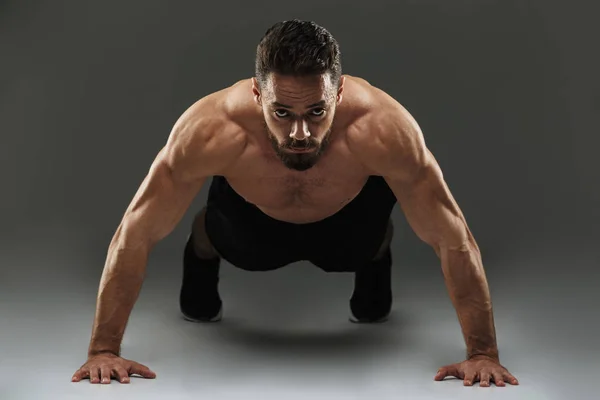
{"x": 251, "y": 240}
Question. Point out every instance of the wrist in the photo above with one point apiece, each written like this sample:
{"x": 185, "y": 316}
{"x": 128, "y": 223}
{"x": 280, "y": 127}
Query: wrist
{"x": 97, "y": 349}
{"x": 493, "y": 356}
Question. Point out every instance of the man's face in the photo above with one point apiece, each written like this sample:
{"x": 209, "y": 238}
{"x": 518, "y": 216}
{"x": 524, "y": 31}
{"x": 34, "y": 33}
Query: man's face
{"x": 298, "y": 113}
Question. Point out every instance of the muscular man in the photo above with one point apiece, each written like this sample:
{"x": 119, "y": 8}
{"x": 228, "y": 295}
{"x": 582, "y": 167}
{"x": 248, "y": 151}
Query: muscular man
{"x": 306, "y": 164}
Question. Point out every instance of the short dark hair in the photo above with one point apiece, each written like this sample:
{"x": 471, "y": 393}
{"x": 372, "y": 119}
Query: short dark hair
{"x": 298, "y": 48}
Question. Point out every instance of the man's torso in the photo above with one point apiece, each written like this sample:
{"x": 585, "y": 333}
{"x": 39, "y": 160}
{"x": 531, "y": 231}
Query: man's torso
{"x": 260, "y": 177}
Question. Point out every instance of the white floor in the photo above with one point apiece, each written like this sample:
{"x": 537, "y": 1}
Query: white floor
{"x": 285, "y": 335}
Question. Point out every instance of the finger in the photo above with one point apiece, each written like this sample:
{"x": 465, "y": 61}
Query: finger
{"x": 121, "y": 374}
{"x": 94, "y": 378}
{"x": 106, "y": 374}
{"x": 141, "y": 370}
{"x": 498, "y": 379}
{"x": 80, "y": 374}
{"x": 441, "y": 374}
{"x": 484, "y": 379}
{"x": 448, "y": 370}
{"x": 469, "y": 378}
{"x": 510, "y": 379}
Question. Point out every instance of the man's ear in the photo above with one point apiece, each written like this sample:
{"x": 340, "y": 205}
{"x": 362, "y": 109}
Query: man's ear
{"x": 256, "y": 91}
{"x": 341, "y": 89}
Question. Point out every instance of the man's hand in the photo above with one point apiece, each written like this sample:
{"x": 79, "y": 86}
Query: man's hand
{"x": 102, "y": 367}
{"x": 478, "y": 369}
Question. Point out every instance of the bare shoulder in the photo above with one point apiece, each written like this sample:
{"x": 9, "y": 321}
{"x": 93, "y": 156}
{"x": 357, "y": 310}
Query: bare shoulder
{"x": 206, "y": 138}
{"x": 384, "y": 136}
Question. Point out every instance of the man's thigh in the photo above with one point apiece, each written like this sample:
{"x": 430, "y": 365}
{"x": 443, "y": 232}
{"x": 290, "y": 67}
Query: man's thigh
{"x": 249, "y": 245}
{"x": 348, "y": 250}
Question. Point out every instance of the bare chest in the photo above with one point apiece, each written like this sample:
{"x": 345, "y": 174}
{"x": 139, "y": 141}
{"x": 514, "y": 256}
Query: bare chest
{"x": 299, "y": 197}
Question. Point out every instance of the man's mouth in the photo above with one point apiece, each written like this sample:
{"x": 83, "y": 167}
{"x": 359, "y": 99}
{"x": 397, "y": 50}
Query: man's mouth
{"x": 300, "y": 149}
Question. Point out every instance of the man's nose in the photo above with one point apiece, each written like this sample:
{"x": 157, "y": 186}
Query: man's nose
{"x": 300, "y": 130}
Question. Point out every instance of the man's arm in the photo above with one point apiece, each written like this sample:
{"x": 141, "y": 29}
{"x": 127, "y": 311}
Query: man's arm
{"x": 192, "y": 153}
{"x": 396, "y": 150}
{"x": 158, "y": 205}
{"x": 436, "y": 218}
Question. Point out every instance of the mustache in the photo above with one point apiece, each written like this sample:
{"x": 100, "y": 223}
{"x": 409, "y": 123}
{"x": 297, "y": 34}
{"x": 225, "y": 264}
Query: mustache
{"x": 301, "y": 144}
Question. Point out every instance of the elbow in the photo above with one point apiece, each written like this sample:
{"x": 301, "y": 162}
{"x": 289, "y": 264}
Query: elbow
{"x": 456, "y": 240}
{"x": 129, "y": 237}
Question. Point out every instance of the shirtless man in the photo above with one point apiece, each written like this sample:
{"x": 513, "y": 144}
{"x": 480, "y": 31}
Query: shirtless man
{"x": 306, "y": 164}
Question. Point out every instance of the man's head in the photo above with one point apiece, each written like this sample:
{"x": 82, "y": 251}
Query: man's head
{"x": 298, "y": 85}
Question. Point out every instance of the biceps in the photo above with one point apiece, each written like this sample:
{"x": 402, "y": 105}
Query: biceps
{"x": 157, "y": 207}
{"x": 432, "y": 211}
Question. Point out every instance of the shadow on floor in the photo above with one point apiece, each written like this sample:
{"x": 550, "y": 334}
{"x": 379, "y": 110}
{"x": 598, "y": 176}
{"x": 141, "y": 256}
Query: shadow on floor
{"x": 344, "y": 340}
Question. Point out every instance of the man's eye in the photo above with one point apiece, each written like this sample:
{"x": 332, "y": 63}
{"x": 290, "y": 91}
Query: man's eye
{"x": 281, "y": 113}
{"x": 317, "y": 112}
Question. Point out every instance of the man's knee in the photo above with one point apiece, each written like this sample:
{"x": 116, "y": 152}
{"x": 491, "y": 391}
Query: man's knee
{"x": 387, "y": 240}
{"x": 202, "y": 245}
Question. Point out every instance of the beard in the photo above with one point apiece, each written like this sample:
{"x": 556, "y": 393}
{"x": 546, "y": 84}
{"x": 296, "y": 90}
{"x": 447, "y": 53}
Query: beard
{"x": 299, "y": 161}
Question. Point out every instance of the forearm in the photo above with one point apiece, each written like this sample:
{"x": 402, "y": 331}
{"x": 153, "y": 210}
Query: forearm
{"x": 119, "y": 289}
{"x": 468, "y": 289}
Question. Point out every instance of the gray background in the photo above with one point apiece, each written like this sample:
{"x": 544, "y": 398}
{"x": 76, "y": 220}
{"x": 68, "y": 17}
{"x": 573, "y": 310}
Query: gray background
{"x": 507, "y": 95}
